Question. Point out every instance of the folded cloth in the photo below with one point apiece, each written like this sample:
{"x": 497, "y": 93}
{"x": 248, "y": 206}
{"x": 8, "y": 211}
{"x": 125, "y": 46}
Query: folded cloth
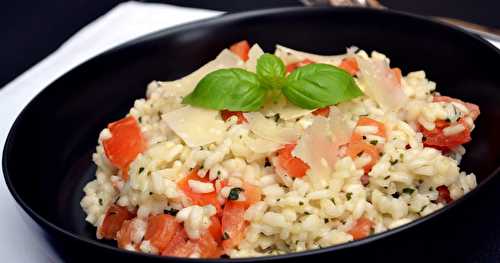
{"x": 126, "y": 21}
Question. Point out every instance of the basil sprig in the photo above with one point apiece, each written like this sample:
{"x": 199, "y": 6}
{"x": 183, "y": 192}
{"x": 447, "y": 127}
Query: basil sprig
{"x": 312, "y": 86}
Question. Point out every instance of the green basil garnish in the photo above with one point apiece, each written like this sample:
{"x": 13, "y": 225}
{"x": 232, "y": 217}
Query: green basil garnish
{"x": 310, "y": 87}
{"x": 228, "y": 89}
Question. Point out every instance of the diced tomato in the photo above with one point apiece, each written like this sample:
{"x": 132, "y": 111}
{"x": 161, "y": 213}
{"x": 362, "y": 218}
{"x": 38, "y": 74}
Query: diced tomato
{"x": 233, "y": 224}
{"x": 179, "y": 245}
{"x": 113, "y": 220}
{"x": 215, "y": 229}
{"x": 473, "y": 108}
{"x": 161, "y": 229}
{"x": 124, "y": 235}
{"x": 444, "y": 194}
{"x": 197, "y": 198}
{"x": 356, "y": 149}
{"x": 241, "y": 49}
{"x": 325, "y": 112}
{"x": 208, "y": 247}
{"x": 365, "y": 179}
{"x": 350, "y": 65}
{"x": 397, "y": 73}
{"x": 365, "y": 121}
{"x": 361, "y": 228}
{"x": 226, "y": 114}
{"x": 294, "y": 166}
{"x": 252, "y": 193}
{"x": 292, "y": 66}
{"x": 125, "y": 144}
{"x": 436, "y": 138}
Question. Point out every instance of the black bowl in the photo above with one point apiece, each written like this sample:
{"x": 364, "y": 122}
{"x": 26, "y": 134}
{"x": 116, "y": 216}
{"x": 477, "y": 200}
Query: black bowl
{"x": 47, "y": 156}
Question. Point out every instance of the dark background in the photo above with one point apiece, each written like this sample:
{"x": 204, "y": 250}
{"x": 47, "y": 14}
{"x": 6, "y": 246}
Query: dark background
{"x": 31, "y": 30}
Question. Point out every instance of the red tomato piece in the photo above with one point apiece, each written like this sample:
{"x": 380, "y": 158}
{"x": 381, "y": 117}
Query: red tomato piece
{"x": 444, "y": 194}
{"x": 397, "y": 73}
{"x": 215, "y": 229}
{"x": 365, "y": 121}
{"x": 361, "y": 228}
{"x": 125, "y": 144}
{"x": 179, "y": 245}
{"x": 233, "y": 224}
{"x": 226, "y": 114}
{"x": 252, "y": 193}
{"x": 161, "y": 229}
{"x": 350, "y": 65}
{"x": 356, "y": 149}
{"x": 292, "y": 66}
{"x": 241, "y": 49}
{"x": 208, "y": 247}
{"x": 124, "y": 236}
{"x": 436, "y": 138}
{"x": 197, "y": 198}
{"x": 325, "y": 112}
{"x": 113, "y": 221}
{"x": 294, "y": 166}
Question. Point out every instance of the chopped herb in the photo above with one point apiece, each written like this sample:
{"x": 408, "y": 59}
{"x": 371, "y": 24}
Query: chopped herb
{"x": 431, "y": 189}
{"x": 140, "y": 119}
{"x": 387, "y": 177}
{"x": 267, "y": 163}
{"x": 459, "y": 118}
{"x": 100, "y": 201}
{"x": 150, "y": 193}
{"x": 277, "y": 200}
{"x": 348, "y": 196}
{"x": 424, "y": 139}
{"x": 326, "y": 220}
{"x": 218, "y": 172}
{"x": 333, "y": 201}
{"x": 393, "y": 162}
{"x": 396, "y": 195}
{"x": 423, "y": 208}
{"x": 225, "y": 236}
{"x": 234, "y": 194}
{"x": 360, "y": 153}
{"x": 201, "y": 148}
{"x": 201, "y": 167}
{"x": 306, "y": 213}
{"x": 420, "y": 181}
{"x": 276, "y": 117}
{"x": 296, "y": 242}
{"x": 364, "y": 137}
{"x": 149, "y": 173}
{"x": 171, "y": 211}
{"x": 327, "y": 187}
{"x": 373, "y": 142}
{"x": 448, "y": 120}
{"x": 401, "y": 157}
{"x": 141, "y": 169}
{"x": 408, "y": 191}
{"x": 381, "y": 154}
{"x": 301, "y": 203}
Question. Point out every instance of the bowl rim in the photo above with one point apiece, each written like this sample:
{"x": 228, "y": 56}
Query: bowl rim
{"x": 224, "y": 19}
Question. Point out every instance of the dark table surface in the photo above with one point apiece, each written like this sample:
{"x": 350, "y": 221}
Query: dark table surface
{"x": 31, "y": 30}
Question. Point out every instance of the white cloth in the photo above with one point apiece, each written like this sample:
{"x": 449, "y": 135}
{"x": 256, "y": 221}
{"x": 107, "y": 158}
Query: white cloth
{"x": 124, "y": 22}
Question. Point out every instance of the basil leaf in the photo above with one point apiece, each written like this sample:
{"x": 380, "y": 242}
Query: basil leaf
{"x": 271, "y": 71}
{"x": 228, "y": 89}
{"x": 320, "y": 85}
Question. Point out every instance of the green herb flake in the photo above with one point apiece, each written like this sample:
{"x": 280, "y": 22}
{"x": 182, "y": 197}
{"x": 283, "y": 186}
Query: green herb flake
{"x": 401, "y": 157}
{"x": 306, "y": 213}
{"x": 348, "y": 196}
{"x": 360, "y": 153}
{"x": 100, "y": 201}
{"x": 301, "y": 203}
{"x": 234, "y": 194}
{"x": 408, "y": 190}
{"x": 225, "y": 236}
{"x": 333, "y": 201}
{"x": 326, "y": 220}
{"x": 373, "y": 142}
{"x": 141, "y": 169}
{"x": 387, "y": 177}
{"x": 171, "y": 211}
{"x": 393, "y": 162}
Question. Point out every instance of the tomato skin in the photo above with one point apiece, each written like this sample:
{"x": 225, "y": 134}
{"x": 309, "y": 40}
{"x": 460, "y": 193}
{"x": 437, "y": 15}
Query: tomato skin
{"x": 294, "y": 166}
{"x": 161, "y": 229}
{"x": 233, "y": 224}
{"x": 293, "y": 66}
{"x": 358, "y": 148}
{"x": 241, "y": 49}
{"x": 444, "y": 194}
{"x": 208, "y": 247}
{"x": 125, "y": 144}
{"x": 226, "y": 114}
{"x": 197, "y": 198}
{"x": 325, "y": 112}
{"x": 215, "y": 229}
{"x": 361, "y": 228}
{"x": 436, "y": 138}
{"x": 350, "y": 65}
{"x": 113, "y": 221}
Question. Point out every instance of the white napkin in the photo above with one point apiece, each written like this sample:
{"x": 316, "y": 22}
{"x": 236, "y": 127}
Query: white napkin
{"x": 124, "y": 22}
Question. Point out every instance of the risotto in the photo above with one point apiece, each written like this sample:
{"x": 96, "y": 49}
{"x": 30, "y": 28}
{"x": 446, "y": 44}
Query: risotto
{"x": 257, "y": 154}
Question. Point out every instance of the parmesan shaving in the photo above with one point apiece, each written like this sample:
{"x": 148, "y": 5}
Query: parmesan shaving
{"x": 269, "y": 130}
{"x": 289, "y": 55}
{"x": 253, "y": 55}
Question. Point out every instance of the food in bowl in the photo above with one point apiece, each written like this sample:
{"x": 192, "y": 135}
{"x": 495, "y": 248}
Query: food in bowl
{"x": 257, "y": 154}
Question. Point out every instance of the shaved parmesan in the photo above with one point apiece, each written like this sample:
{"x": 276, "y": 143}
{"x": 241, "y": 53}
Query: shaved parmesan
{"x": 317, "y": 149}
{"x": 269, "y": 130}
{"x": 286, "y": 110}
{"x": 260, "y": 145}
{"x": 341, "y": 131}
{"x": 185, "y": 85}
{"x": 196, "y": 126}
{"x": 289, "y": 55}
{"x": 380, "y": 83}
{"x": 253, "y": 55}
